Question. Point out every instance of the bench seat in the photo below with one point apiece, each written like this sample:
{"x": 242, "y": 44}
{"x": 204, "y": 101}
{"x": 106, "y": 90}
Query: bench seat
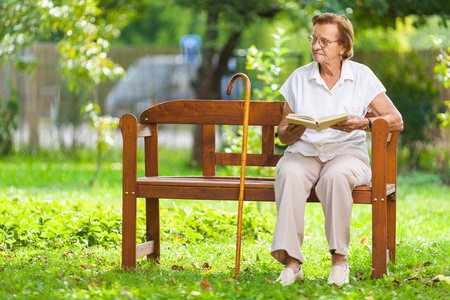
{"x": 227, "y": 188}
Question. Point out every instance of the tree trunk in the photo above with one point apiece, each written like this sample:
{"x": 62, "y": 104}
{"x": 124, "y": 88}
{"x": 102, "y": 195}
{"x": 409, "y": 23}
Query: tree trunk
{"x": 207, "y": 84}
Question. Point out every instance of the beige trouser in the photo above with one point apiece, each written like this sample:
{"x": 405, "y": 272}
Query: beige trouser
{"x": 335, "y": 180}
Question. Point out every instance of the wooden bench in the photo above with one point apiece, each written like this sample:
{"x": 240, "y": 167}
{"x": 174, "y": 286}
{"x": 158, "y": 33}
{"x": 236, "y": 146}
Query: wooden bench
{"x": 381, "y": 193}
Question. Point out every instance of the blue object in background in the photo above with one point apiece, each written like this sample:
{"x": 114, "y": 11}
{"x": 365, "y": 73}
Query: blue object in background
{"x": 190, "y": 48}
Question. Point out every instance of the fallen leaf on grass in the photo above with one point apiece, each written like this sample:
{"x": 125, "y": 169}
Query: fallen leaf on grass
{"x": 206, "y": 266}
{"x": 128, "y": 294}
{"x": 177, "y": 268}
{"x": 231, "y": 280}
{"x": 364, "y": 241}
{"x": 172, "y": 279}
{"x": 2, "y": 268}
{"x": 440, "y": 278}
{"x": 238, "y": 288}
{"x": 413, "y": 278}
{"x": 396, "y": 281}
{"x": 205, "y": 285}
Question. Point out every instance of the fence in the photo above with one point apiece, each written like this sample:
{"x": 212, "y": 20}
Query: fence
{"x": 47, "y": 108}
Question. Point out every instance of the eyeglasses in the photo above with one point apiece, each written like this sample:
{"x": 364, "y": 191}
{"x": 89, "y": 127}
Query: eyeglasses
{"x": 322, "y": 42}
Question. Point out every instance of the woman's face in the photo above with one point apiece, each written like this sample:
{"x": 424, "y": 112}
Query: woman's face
{"x": 325, "y": 46}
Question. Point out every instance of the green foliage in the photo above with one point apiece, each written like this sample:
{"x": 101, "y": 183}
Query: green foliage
{"x": 197, "y": 222}
{"x": 435, "y": 158}
{"x": 416, "y": 97}
{"x": 104, "y": 127}
{"x": 442, "y": 67}
{"x": 445, "y": 116}
{"x": 159, "y": 23}
{"x": 53, "y": 224}
{"x": 82, "y": 27}
{"x": 442, "y": 70}
{"x": 269, "y": 66}
{"x": 9, "y": 112}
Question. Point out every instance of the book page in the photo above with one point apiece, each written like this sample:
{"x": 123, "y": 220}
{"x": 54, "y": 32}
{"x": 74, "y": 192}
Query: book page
{"x": 309, "y": 122}
{"x": 341, "y": 117}
{"x": 303, "y": 117}
{"x": 326, "y": 122}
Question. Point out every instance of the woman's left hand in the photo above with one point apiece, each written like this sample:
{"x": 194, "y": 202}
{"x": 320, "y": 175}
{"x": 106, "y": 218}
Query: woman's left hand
{"x": 353, "y": 123}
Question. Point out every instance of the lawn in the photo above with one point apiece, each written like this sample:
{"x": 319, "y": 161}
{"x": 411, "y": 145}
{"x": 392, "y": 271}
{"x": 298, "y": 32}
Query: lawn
{"x": 61, "y": 239}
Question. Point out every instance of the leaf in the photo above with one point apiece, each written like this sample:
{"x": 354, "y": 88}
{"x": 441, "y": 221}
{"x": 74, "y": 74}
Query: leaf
{"x": 364, "y": 241}
{"x": 127, "y": 294}
{"x": 206, "y": 266}
{"x": 205, "y": 285}
{"x": 413, "y": 278}
{"x": 177, "y": 268}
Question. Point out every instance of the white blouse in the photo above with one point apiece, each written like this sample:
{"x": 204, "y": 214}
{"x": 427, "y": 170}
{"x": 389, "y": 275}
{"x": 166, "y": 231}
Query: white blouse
{"x": 306, "y": 93}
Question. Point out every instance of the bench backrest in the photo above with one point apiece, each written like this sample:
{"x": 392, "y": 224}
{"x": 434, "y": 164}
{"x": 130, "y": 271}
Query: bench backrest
{"x": 208, "y": 114}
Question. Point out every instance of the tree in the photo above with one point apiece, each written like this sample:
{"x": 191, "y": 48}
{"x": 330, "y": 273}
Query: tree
{"x": 83, "y": 30}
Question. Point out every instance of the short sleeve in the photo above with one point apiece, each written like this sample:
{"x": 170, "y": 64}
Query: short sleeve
{"x": 374, "y": 86}
{"x": 287, "y": 91}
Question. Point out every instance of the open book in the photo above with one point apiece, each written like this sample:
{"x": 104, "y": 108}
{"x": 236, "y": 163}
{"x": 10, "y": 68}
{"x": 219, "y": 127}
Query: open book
{"x": 319, "y": 124}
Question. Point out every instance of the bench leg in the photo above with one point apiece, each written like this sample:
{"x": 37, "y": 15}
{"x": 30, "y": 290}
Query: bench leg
{"x": 129, "y": 231}
{"x": 152, "y": 225}
{"x": 379, "y": 238}
{"x": 391, "y": 228}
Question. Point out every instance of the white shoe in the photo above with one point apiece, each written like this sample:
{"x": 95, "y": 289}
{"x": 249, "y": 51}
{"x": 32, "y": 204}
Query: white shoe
{"x": 288, "y": 277}
{"x": 339, "y": 275}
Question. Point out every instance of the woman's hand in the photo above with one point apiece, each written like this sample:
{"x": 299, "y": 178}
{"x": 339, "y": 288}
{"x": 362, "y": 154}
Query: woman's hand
{"x": 353, "y": 123}
{"x": 289, "y": 133}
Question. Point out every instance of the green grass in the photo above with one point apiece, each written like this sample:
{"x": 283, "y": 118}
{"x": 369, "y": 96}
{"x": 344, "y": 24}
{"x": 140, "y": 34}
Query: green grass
{"x": 81, "y": 258}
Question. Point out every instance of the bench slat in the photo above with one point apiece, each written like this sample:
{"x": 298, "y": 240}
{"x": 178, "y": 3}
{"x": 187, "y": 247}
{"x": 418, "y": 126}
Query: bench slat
{"x": 234, "y": 159}
{"x": 219, "y": 112}
{"x": 145, "y": 249}
{"x": 227, "y": 188}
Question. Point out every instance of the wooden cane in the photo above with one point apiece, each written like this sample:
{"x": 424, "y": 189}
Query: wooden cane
{"x": 243, "y": 163}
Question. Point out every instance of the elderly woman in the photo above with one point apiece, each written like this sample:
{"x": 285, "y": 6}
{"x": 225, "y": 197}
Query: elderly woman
{"x": 335, "y": 160}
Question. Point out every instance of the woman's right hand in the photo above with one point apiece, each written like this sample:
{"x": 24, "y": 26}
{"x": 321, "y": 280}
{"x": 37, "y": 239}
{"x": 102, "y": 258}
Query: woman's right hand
{"x": 289, "y": 133}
